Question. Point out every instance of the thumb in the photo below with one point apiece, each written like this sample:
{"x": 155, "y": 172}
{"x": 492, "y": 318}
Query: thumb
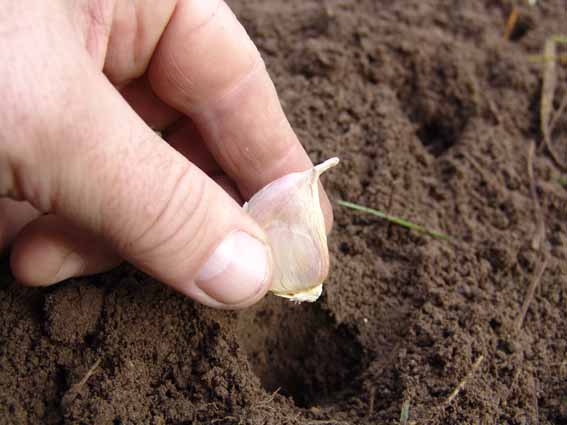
{"x": 103, "y": 170}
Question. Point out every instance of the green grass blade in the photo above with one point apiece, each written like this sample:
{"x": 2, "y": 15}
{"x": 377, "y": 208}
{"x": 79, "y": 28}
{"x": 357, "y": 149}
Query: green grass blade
{"x": 559, "y": 38}
{"x": 404, "y": 414}
{"x": 396, "y": 220}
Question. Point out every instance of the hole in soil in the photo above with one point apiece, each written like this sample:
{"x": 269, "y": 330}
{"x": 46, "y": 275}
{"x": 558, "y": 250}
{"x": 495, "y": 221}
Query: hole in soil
{"x": 523, "y": 26}
{"x": 436, "y": 136}
{"x": 300, "y": 351}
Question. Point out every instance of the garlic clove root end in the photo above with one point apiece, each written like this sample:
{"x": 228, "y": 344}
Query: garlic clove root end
{"x": 309, "y": 295}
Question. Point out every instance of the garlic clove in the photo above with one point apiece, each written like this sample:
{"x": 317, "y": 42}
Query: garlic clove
{"x": 288, "y": 210}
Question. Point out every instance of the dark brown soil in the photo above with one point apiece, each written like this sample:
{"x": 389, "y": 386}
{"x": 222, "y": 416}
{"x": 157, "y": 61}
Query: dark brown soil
{"x": 432, "y": 112}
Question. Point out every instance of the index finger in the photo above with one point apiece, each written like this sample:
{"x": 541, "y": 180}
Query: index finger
{"x": 207, "y": 66}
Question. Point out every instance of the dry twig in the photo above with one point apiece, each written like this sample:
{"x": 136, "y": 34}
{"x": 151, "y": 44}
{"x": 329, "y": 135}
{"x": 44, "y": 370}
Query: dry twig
{"x": 268, "y": 399}
{"x": 549, "y": 84}
{"x": 464, "y": 381}
{"x": 511, "y": 22}
{"x": 539, "y": 233}
{"x": 531, "y": 292}
{"x": 75, "y": 389}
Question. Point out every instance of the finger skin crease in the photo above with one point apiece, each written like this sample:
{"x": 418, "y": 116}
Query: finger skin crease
{"x": 139, "y": 247}
{"x": 232, "y": 89}
{"x": 99, "y": 23}
{"x": 208, "y": 19}
{"x": 182, "y": 82}
{"x": 26, "y": 186}
{"x": 176, "y": 70}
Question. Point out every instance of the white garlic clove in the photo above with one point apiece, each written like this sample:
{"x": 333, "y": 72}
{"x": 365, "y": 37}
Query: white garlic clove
{"x": 288, "y": 210}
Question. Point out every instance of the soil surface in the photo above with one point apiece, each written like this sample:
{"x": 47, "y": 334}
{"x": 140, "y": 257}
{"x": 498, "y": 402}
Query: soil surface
{"x": 433, "y": 113}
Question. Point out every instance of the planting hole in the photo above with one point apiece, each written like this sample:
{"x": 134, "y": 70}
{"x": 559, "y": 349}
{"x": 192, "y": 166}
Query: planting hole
{"x": 522, "y": 27}
{"x": 437, "y": 137}
{"x": 300, "y": 351}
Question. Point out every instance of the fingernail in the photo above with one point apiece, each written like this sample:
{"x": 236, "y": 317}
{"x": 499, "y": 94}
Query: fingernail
{"x": 236, "y": 271}
{"x": 72, "y": 264}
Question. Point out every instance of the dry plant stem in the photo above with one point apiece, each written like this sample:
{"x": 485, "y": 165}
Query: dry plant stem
{"x": 549, "y": 84}
{"x": 230, "y": 418}
{"x": 371, "y": 398}
{"x": 511, "y": 23}
{"x": 536, "y": 402}
{"x": 74, "y": 390}
{"x": 562, "y": 108}
{"x": 512, "y": 384}
{"x": 464, "y": 381}
{"x": 269, "y": 399}
{"x": 531, "y": 292}
{"x": 537, "y": 241}
{"x": 539, "y": 233}
{"x": 563, "y": 368}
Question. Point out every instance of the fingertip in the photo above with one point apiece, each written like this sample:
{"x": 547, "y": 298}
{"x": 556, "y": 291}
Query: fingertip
{"x": 36, "y": 260}
{"x": 48, "y": 251}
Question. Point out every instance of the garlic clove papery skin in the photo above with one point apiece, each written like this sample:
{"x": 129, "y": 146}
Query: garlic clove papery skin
{"x": 289, "y": 211}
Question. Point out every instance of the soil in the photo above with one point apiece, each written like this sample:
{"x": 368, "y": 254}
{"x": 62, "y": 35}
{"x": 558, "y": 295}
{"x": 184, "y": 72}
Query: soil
{"x": 432, "y": 112}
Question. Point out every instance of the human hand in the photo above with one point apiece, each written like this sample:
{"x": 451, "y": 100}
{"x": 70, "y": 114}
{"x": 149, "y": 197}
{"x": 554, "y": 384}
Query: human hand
{"x": 83, "y": 84}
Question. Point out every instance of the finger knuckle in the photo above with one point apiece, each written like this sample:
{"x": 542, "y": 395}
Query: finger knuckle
{"x": 196, "y": 81}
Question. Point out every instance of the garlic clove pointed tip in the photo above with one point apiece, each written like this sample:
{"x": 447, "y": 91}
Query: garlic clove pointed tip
{"x": 325, "y": 165}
